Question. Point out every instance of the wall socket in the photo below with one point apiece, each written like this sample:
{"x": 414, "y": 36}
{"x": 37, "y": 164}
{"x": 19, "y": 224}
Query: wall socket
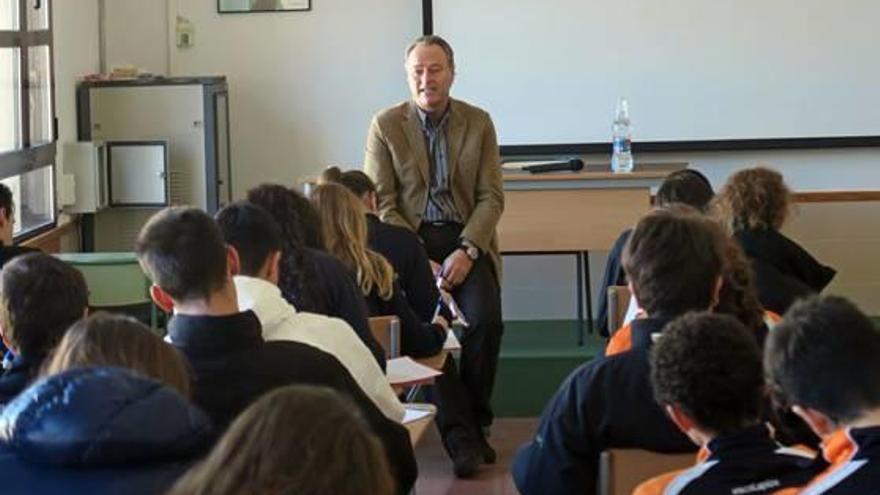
{"x": 185, "y": 33}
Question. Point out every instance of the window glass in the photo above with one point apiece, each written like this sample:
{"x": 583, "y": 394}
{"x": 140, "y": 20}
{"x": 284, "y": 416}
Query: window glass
{"x": 32, "y": 193}
{"x": 8, "y": 15}
{"x": 10, "y": 100}
{"x": 38, "y": 18}
{"x": 40, "y": 94}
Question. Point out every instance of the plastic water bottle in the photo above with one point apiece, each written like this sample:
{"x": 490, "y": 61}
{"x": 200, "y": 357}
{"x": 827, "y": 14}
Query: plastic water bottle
{"x": 621, "y": 156}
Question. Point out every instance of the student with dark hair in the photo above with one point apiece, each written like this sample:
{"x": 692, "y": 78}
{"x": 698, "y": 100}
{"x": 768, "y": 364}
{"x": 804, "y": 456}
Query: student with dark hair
{"x": 754, "y": 203}
{"x": 183, "y": 252}
{"x": 403, "y": 248}
{"x": 105, "y": 339}
{"x": 674, "y": 261}
{"x": 311, "y": 279}
{"x": 706, "y": 374}
{"x": 99, "y": 431}
{"x": 7, "y": 249}
{"x": 823, "y": 360}
{"x": 7, "y": 227}
{"x": 40, "y": 296}
{"x": 295, "y": 439}
{"x": 257, "y": 240}
{"x": 737, "y": 297}
{"x": 688, "y": 187}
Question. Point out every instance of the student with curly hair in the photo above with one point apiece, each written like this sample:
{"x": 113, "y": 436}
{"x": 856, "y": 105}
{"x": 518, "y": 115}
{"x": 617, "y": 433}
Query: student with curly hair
{"x": 311, "y": 279}
{"x": 674, "y": 260}
{"x": 706, "y": 374}
{"x": 754, "y": 203}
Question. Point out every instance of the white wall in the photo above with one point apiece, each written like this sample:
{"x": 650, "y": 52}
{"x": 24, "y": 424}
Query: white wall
{"x": 76, "y": 54}
{"x": 304, "y": 84}
{"x": 136, "y": 33}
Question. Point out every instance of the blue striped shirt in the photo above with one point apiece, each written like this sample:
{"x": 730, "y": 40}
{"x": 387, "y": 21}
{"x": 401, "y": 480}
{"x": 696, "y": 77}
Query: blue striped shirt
{"x": 440, "y": 206}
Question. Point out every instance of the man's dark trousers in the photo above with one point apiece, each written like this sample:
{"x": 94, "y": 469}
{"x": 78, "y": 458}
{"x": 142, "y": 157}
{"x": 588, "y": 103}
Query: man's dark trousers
{"x": 479, "y": 298}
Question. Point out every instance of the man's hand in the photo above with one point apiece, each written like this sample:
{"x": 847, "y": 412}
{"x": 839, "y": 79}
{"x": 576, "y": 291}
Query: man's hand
{"x": 456, "y": 268}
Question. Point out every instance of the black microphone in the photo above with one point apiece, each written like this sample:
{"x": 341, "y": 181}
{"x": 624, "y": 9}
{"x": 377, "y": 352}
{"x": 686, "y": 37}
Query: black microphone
{"x": 571, "y": 165}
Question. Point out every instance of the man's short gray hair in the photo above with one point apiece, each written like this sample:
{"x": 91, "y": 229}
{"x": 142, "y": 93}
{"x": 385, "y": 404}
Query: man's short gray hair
{"x": 433, "y": 39}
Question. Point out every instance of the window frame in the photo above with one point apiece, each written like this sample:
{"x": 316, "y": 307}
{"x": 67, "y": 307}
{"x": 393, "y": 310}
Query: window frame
{"x": 32, "y": 156}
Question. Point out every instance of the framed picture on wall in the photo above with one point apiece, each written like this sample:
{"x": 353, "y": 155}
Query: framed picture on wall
{"x": 244, "y": 6}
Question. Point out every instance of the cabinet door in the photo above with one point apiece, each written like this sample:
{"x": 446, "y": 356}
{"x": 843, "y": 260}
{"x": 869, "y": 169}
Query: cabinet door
{"x": 167, "y": 113}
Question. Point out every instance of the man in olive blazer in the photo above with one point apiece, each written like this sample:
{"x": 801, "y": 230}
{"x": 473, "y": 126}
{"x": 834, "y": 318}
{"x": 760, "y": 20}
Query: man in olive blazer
{"x": 437, "y": 170}
{"x": 397, "y": 160}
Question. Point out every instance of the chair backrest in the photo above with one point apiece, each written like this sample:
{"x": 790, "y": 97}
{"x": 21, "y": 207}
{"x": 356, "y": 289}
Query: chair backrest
{"x": 115, "y": 280}
{"x": 618, "y": 301}
{"x": 386, "y": 331}
{"x": 622, "y": 470}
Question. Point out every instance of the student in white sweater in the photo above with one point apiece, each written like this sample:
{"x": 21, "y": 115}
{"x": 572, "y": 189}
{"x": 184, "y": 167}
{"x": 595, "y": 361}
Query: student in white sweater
{"x": 257, "y": 239}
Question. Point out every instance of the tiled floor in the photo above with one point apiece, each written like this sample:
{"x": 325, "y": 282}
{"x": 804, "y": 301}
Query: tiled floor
{"x": 435, "y": 468}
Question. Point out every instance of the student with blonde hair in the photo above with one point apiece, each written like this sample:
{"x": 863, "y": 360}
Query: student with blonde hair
{"x": 403, "y": 248}
{"x": 345, "y": 233}
{"x": 296, "y": 439}
{"x": 755, "y": 203}
{"x": 105, "y": 339}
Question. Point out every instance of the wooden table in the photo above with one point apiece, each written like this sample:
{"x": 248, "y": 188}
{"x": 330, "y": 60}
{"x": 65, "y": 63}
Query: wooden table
{"x": 574, "y": 213}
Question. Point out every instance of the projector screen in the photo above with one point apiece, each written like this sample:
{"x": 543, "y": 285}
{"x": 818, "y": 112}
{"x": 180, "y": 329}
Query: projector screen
{"x": 693, "y": 70}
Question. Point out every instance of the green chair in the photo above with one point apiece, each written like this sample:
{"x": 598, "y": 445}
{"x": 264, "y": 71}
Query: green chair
{"x": 115, "y": 280}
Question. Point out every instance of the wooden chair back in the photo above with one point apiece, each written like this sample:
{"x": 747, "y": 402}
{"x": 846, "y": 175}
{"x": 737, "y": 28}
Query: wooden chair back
{"x": 618, "y": 302}
{"x": 622, "y": 470}
{"x": 386, "y": 331}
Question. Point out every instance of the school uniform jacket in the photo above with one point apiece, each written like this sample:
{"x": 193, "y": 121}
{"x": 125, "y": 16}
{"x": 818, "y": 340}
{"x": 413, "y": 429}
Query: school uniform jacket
{"x": 747, "y": 462}
{"x": 605, "y": 403}
{"x": 854, "y": 457}
{"x": 784, "y": 271}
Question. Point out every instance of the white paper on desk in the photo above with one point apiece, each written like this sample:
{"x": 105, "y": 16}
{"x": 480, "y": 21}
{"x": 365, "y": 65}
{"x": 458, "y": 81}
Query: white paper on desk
{"x": 452, "y": 343}
{"x": 413, "y": 414}
{"x": 405, "y": 371}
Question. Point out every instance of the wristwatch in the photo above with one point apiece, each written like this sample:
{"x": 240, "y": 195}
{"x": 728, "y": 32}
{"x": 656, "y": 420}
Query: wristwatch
{"x": 472, "y": 252}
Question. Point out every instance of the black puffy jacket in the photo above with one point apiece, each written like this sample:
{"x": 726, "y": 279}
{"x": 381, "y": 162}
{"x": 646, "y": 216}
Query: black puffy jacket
{"x": 98, "y": 431}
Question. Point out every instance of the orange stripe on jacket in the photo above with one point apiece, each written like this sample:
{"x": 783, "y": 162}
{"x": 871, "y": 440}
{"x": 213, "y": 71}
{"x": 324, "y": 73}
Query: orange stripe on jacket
{"x": 838, "y": 450}
{"x": 620, "y": 342}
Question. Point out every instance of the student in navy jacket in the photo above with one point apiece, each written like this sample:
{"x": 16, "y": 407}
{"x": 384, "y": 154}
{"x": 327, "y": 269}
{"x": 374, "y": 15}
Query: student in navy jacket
{"x": 706, "y": 374}
{"x": 183, "y": 252}
{"x": 674, "y": 262}
{"x": 822, "y": 359}
{"x": 41, "y": 297}
{"x": 98, "y": 431}
{"x": 687, "y": 186}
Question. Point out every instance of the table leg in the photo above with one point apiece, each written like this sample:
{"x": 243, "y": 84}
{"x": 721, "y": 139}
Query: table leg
{"x": 580, "y": 299}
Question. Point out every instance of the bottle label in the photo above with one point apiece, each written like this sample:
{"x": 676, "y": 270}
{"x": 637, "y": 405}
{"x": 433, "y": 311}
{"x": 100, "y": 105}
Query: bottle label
{"x": 622, "y": 145}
